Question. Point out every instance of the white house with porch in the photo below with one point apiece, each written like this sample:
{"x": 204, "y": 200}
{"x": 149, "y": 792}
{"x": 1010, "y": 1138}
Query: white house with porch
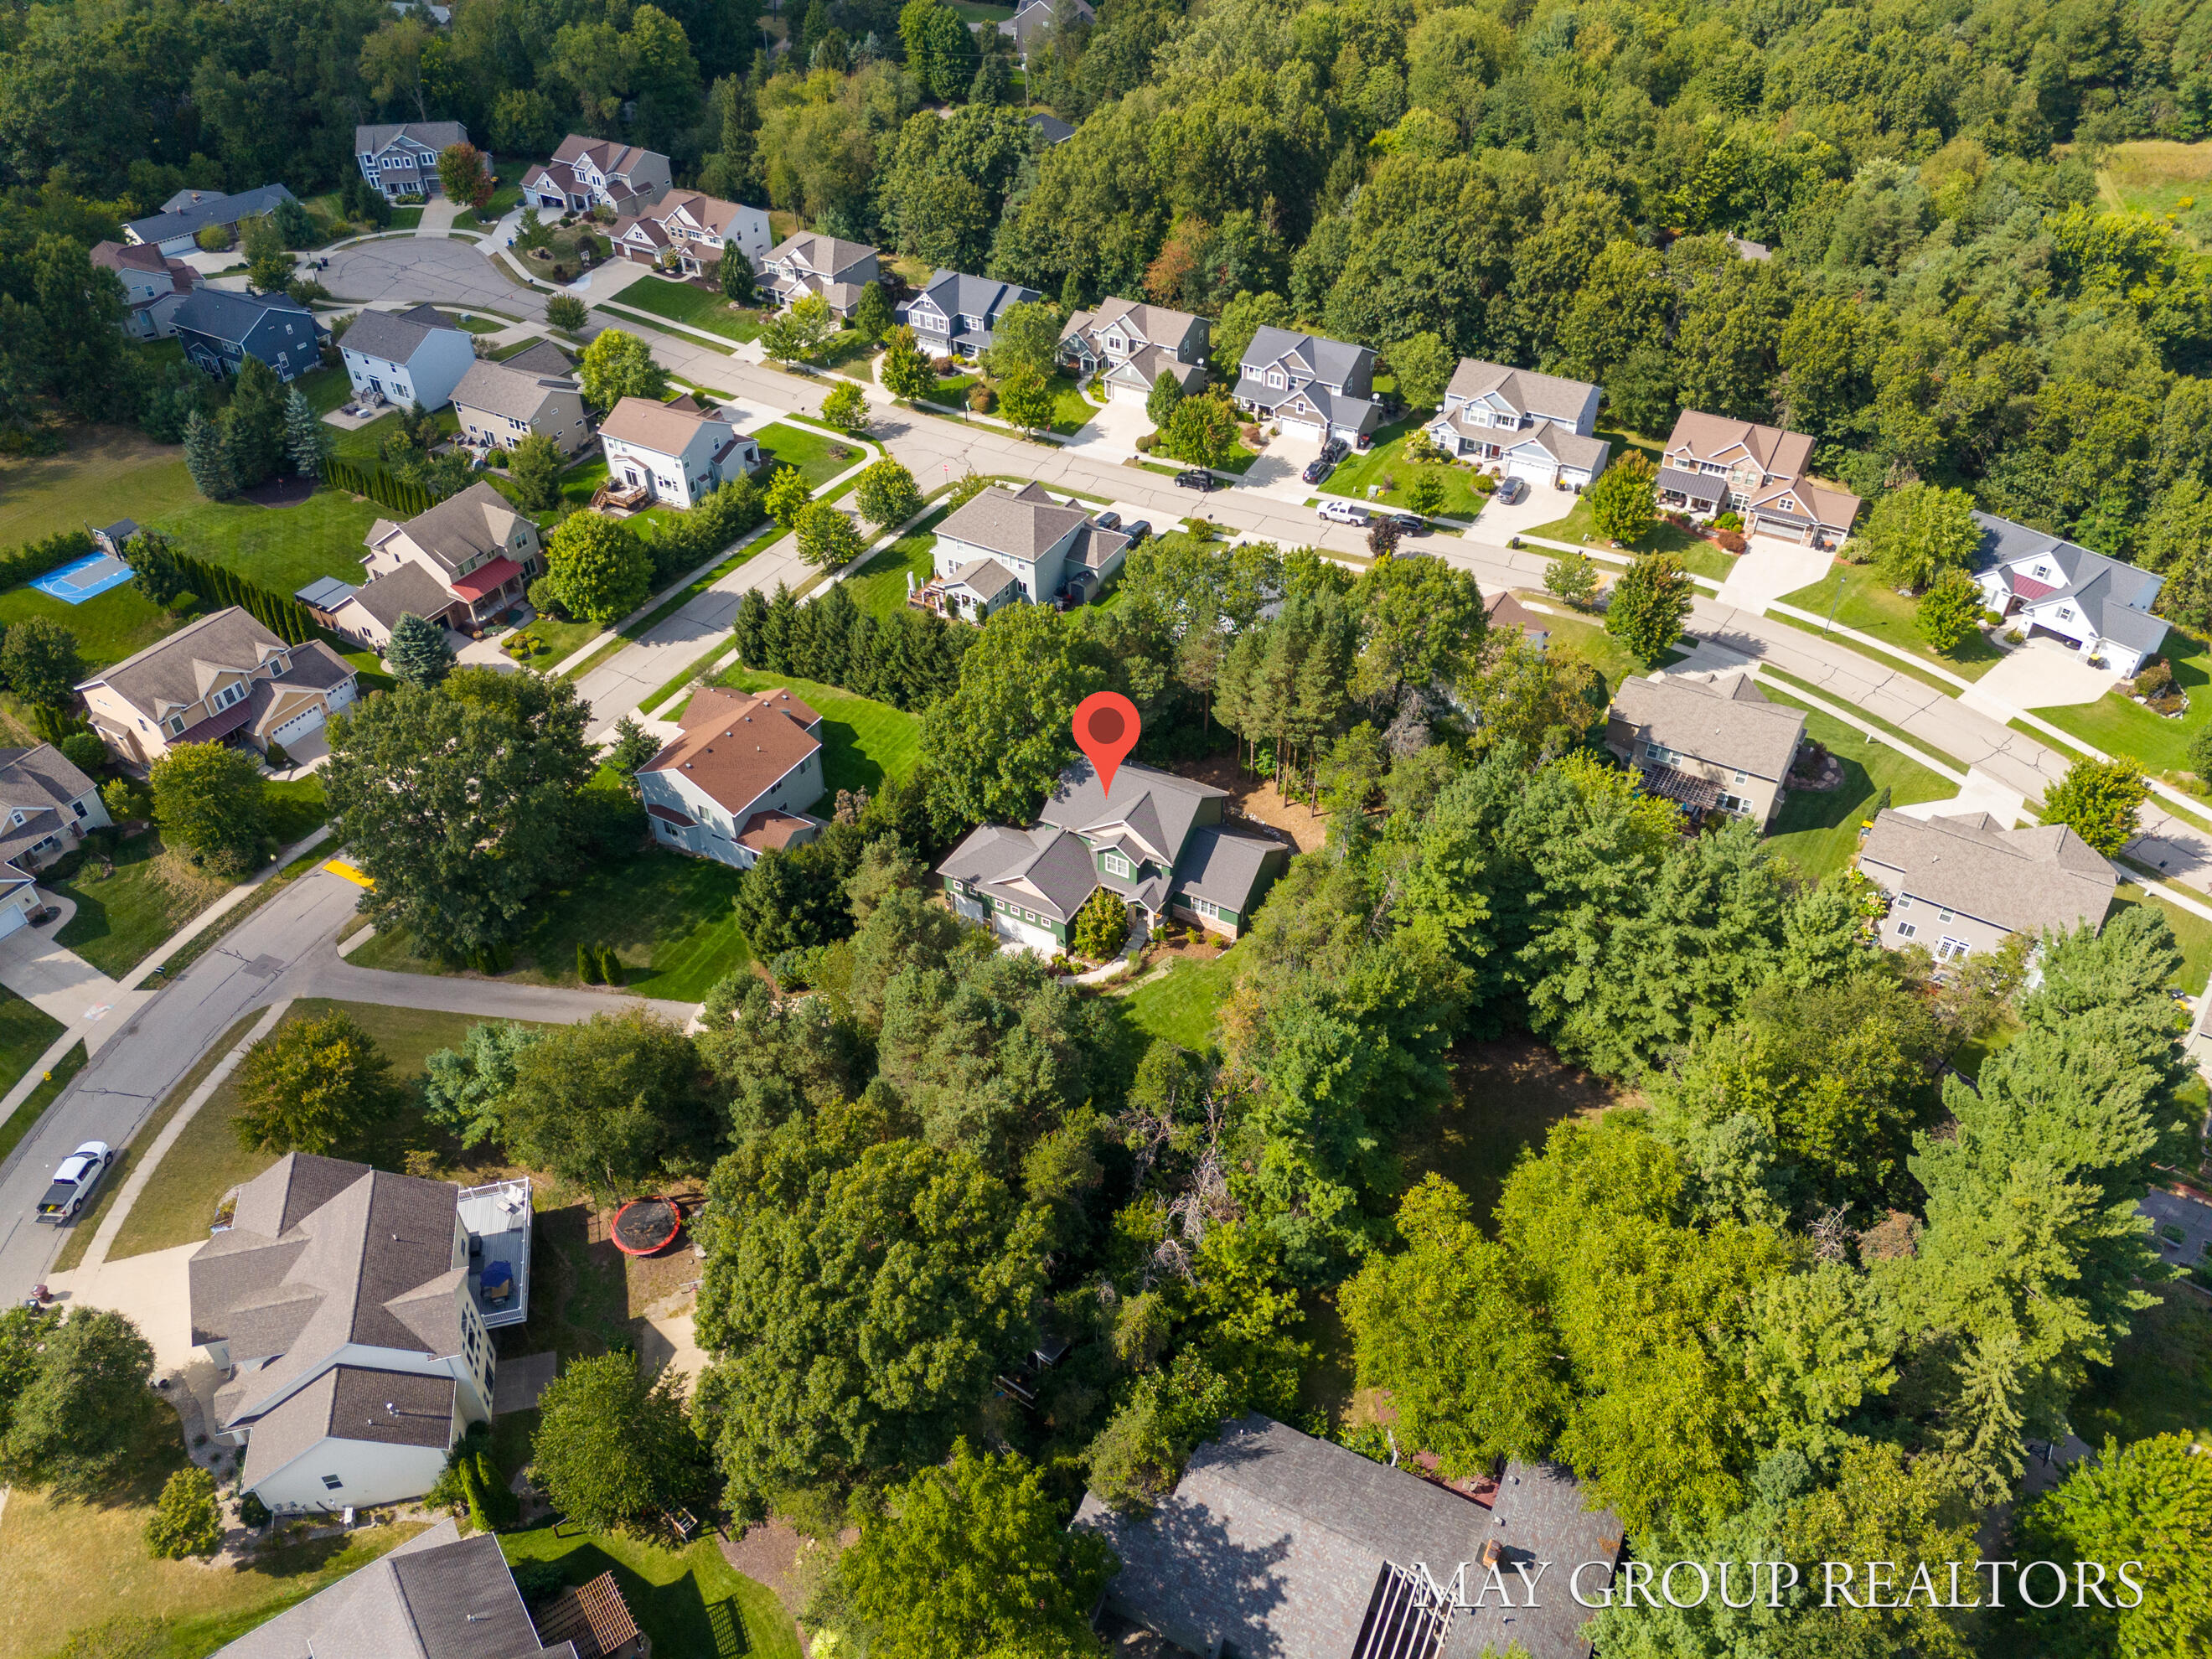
{"x": 674, "y": 453}
{"x": 462, "y": 563}
{"x": 2051, "y": 589}
{"x": 1531, "y": 425}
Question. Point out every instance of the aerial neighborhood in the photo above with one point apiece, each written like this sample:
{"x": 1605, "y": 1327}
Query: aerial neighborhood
{"x": 1072, "y": 831}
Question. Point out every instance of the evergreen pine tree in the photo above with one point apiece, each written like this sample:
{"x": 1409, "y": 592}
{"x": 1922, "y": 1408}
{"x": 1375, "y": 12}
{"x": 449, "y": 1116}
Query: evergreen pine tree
{"x": 782, "y": 625}
{"x": 207, "y": 459}
{"x": 587, "y": 963}
{"x": 303, "y": 435}
{"x": 861, "y": 654}
{"x": 832, "y": 624}
{"x": 419, "y": 653}
{"x": 611, "y": 968}
{"x": 751, "y": 628}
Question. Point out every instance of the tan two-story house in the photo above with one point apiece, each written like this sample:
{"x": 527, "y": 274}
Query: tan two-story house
{"x": 462, "y": 563}
{"x": 224, "y": 678}
{"x": 1963, "y": 885}
{"x": 1714, "y": 745}
{"x": 1130, "y": 346}
{"x": 1715, "y": 465}
{"x": 532, "y": 393}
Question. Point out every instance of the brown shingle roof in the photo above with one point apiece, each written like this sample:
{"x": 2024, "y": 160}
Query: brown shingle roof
{"x": 736, "y": 748}
{"x": 177, "y": 671}
{"x": 664, "y": 428}
{"x": 1729, "y": 725}
{"x": 1713, "y": 437}
{"x": 2022, "y": 880}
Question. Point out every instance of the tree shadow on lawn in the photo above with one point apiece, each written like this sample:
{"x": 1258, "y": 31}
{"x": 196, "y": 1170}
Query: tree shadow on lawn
{"x": 677, "y": 1615}
{"x": 1829, "y": 809}
{"x": 845, "y": 765}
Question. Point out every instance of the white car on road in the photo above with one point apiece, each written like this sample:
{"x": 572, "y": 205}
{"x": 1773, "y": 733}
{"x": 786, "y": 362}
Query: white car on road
{"x": 1337, "y": 512}
{"x": 71, "y": 1187}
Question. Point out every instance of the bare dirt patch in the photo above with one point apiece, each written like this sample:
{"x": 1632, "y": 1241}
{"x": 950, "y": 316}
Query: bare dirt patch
{"x": 1258, "y": 799}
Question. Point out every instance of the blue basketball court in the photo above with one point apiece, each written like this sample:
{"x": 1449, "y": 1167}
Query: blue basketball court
{"x": 73, "y": 583}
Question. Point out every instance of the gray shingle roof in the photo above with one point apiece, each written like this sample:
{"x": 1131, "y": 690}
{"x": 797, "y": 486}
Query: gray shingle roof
{"x": 1333, "y": 362}
{"x": 436, "y": 1596}
{"x": 501, "y": 389}
{"x": 396, "y": 336}
{"x": 209, "y": 209}
{"x": 542, "y": 357}
{"x": 1521, "y": 390}
{"x": 2115, "y": 597}
{"x": 409, "y": 589}
{"x": 352, "y": 1402}
{"x": 2022, "y": 880}
{"x": 1052, "y": 129}
{"x": 1018, "y": 524}
{"x": 985, "y": 578}
{"x": 177, "y": 671}
{"x": 1226, "y": 868}
{"x": 958, "y": 294}
{"x": 1159, "y": 806}
{"x": 432, "y": 135}
{"x": 221, "y": 314}
{"x": 471, "y": 525}
{"x": 1729, "y": 725}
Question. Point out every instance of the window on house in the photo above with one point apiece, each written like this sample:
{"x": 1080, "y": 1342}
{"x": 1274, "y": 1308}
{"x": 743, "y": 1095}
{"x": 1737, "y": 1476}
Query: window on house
{"x": 1743, "y": 777}
{"x": 277, "y": 668}
{"x": 2066, "y": 613}
{"x": 332, "y": 1482}
{"x": 1951, "y": 950}
{"x": 1904, "y": 901}
{"x": 77, "y": 807}
{"x": 1942, "y": 916}
{"x": 1275, "y": 378}
{"x": 176, "y": 724}
{"x": 1906, "y": 930}
{"x": 1114, "y": 865}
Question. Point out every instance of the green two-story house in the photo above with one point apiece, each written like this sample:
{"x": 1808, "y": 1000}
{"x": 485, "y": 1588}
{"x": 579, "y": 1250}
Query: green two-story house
{"x": 1155, "y": 840}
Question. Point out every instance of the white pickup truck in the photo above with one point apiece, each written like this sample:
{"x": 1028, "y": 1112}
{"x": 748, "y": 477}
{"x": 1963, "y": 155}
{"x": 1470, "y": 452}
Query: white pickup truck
{"x": 71, "y": 1187}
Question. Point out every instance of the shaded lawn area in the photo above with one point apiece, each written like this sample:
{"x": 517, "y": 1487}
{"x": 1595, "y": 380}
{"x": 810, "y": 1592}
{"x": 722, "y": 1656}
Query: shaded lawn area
{"x": 2118, "y": 724}
{"x": 788, "y": 445}
{"x": 180, "y": 1608}
{"x": 1887, "y": 615}
{"x": 695, "y": 307}
{"x": 282, "y": 548}
{"x": 364, "y": 445}
{"x": 1819, "y": 833}
{"x": 205, "y": 1161}
{"x": 669, "y": 918}
{"x": 879, "y": 587}
{"x": 296, "y": 807}
{"x": 2159, "y": 1381}
{"x": 2190, "y": 932}
{"x": 1506, "y": 1096}
{"x": 470, "y": 323}
{"x": 128, "y": 906}
{"x": 108, "y": 626}
{"x": 1699, "y": 556}
{"x": 325, "y": 389}
{"x": 1387, "y": 459}
{"x": 106, "y": 473}
{"x": 1576, "y": 636}
{"x": 25, "y": 1118}
{"x": 1181, "y": 1007}
{"x": 691, "y": 1602}
{"x": 25, "y": 1034}
{"x": 863, "y": 741}
{"x": 406, "y": 218}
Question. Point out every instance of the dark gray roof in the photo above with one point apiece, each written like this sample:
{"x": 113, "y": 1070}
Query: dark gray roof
{"x": 39, "y": 783}
{"x": 985, "y": 578}
{"x": 351, "y": 1402}
{"x": 1227, "y": 868}
{"x": 436, "y": 1596}
{"x": 409, "y": 589}
{"x": 957, "y": 295}
{"x": 2115, "y": 597}
{"x": 1694, "y": 486}
{"x": 1729, "y": 724}
{"x": 396, "y": 336}
{"x": 432, "y": 135}
{"x": 177, "y": 671}
{"x": 501, "y": 389}
{"x": 325, "y": 593}
{"x": 209, "y": 209}
{"x": 1523, "y": 391}
{"x": 1052, "y": 128}
{"x": 221, "y": 314}
{"x": 1274, "y": 1546}
{"x": 1332, "y": 362}
{"x": 2022, "y": 880}
{"x": 1159, "y": 806}
{"x": 541, "y": 357}
{"x": 1539, "y": 1512}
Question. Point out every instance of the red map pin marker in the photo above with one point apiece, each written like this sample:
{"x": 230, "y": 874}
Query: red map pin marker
{"x": 1107, "y": 727}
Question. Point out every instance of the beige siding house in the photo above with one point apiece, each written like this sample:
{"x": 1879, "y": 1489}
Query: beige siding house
{"x": 223, "y": 678}
{"x": 1710, "y": 745}
{"x": 462, "y": 563}
{"x": 1961, "y": 885}
{"x": 500, "y": 404}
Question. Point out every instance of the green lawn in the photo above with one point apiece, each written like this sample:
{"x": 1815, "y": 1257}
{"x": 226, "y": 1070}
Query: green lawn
{"x": 364, "y": 445}
{"x": 974, "y": 11}
{"x": 108, "y": 626}
{"x": 1072, "y": 411}
{"x": 296, "y": 809}
{"x": 1588, "y": 639}
{"x": 406, "y": 218}
{"x": 1387, "y": 461}
{"x": 325, "y": 389}
{"x": 668, "y": 916}
{"x": 1819, "y": 833}
{"x": 556, "y": 641}
{"x": 123, "y": 914}
{"x": 691, "y": 1603}
{"x": 106, "y": 473}
{"x": 473, "y": 324}
{"x": 1181, "y": 1006}
{"x": 1699, "y": 556}
{"x": 695, "y": 308}
{"x": 879, "y": 587}
{"x": 1872, "y": 608}
{"x": 25, "y": 1034}
{"x": 178, "y": 1203}
{"x": 516, "y": 348}
{"x": 783, "y": 444}
{"x": 25, "y": 1118}
{"x": 863, "y": 741}
{"x": 2118, "y": 724}
{"x": 2159, "y": 1381}
{"x": 282, "y": 549}
{"x": 2190, "y": 932}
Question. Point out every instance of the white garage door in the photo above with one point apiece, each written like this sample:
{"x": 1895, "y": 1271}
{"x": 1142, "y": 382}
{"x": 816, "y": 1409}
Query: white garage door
{"x": 1533, "y": 470}
{"x": 1127, "y": 394}
{"x": 10, "y": 919}
{"x": 1300, "y": 429}
{"x": 298, "y": 727}
{"x": 1039, "y": 940}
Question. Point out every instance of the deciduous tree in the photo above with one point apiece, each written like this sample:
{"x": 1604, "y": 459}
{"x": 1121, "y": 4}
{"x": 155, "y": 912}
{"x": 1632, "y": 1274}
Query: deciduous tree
{"x": 1001, "y": 739}
{"x": 1026, "y": 397}
{"x": 614, "y": 1447}
{"x": 1949, "y": 610}
{"x": 2101, "y": 801}
{"x": 1915, "y": 533}
{"x": 904, "y": 369}
{"x": 616, "y": 365}
{"x": 604, "y": 1105}
{"x": 600, "y": 569}
{"x": 1649, "y": 603}
{"x": 1572, "y": 577}
{"x": 312, "y": 1084}
{"x": 535, "y": 465}
{"x": 887, "y": 494}
{"x": 2149, "y": 1503}
{"x": 462, "y": 1087}
{"x": 787, "y": 496}
{"x": 846, "y": 408}
{"x": 187, "y": 1520}
{"x": 826, "y": 540}
{"x": 1623, "y": 501}
{"x": 38, "y": 662}
{"x": 80, "y": 1421}
{"x": 462, "y": 172}
{"x": 208, "y": 800}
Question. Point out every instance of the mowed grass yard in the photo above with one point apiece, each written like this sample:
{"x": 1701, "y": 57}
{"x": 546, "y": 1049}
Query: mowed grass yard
{"x": 1387, "y": 461}
{"x": 2190, "y": 932}
{"x": 669, "y": 917}
{"x": 1819, "y": 833}
{"x": 108, "y": 626}
{"x": 1698, "y": 556}
{"x": 1871, "y": 607}
{"x": 282, "y": 548}
{"x": 127, "y": 904}
{"x": 691, "y": 1602}
{"x": 782, "y": 445}
{"x": 106, "y": 473}
{"x": 695, "y": 308}
{"x": 25, "y": 1034}
{"x": 863, "y": 741}
{"x": 2118, "y": 724}
{"x": 879, "y": 587}
{"x": 1181, "y": 1006}
{"x": 205, "y": 1161}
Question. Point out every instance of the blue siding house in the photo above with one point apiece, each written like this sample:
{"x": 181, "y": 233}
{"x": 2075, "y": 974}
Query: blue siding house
{"x": 220, "y": 329}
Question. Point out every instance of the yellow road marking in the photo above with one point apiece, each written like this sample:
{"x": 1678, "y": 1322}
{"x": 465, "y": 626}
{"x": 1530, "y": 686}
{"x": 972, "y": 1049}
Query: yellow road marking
{"x": 340, "y": 867}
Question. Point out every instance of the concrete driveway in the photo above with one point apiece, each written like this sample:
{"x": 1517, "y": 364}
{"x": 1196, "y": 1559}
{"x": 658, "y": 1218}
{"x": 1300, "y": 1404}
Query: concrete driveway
{"x": 1767, "y": 568}
{"x": 1497, "y": 522}
{"x": 1980, "y": 794}
{"x": 2040, "y": 674}
{"x": 61, "y": 984}
{"x": 408, "y": 270}
{"x": 152, "y": 1289}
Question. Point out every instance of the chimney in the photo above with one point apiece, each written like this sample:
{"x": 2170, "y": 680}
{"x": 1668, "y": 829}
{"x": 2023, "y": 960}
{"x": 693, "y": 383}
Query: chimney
{"x": 1494, "y": 1551}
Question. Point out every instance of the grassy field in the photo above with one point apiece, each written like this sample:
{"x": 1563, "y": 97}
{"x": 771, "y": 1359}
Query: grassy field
{"x": 788, "y": 445}
{"x": 106, "y": 473}
{"x": 205, "y": 1161}
{"x": 879, "y": 587}
{"x": 1576, "y": 637}
{"x": 108, "y": 626}
{"x": 364, "y": 445}
{"x": 669, "y": 918}
{"x": 1699, "y": 556}
{"x": 516, "y": 348}
{"x": 1887, "y": 615}
{"x": 281, "y": 548}
{"x": 128, "y": 908}
{"x": 2159, "y": 1381}
{"x": 2156, "y": 175}
{"x": 178, "y": 1609}
{"x": 469, "y": 322}
{"x": 25, "y": 1118}
{"x": 1387, "y": 459}
{"x": 25, "y": 1034}
{"x": 1819, "y": 833}
{"x": 863, "y": 741}
{"x": 2190, "y": 932}
{"x": 695, "y": 308}
{"x": 2118, "y": 724}
{"x": 1181, "y": 1006}
{"x": 691, "y": 1602}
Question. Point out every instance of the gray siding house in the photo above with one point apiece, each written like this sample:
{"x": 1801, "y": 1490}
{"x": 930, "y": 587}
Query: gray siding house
{"x": 1312, "y": 387}
{"x": 1962, "y": 884}
{"x": 955, "y": 314}
{"x": 402, "y": 159}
